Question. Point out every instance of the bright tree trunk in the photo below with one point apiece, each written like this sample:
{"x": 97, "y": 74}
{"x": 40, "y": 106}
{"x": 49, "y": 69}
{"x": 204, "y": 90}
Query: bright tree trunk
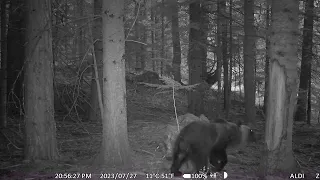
{"x": 284, "y": 35}
{"x": 115, "y": 145}
{"x": 39, "y": 109}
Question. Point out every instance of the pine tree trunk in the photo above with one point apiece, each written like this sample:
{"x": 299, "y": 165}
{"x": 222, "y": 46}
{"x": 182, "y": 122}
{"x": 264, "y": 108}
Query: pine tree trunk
{"x": 249, "y": 61}
{"x": 195, "y": 57}
{"x": 94, "y": 112}
{"x": 115, "y": 145}
{"x": 309, "y": 103}
{"x": 230, "y": 56}
{"x": 153, "y": 35}
{"x": 39, "y": 105}
{"x": 176, "y": 62}
{"x": 278, "y": 156}
{"x": 305, "y": 73}
{"x": 218, "y": 43}
{"x": 162, "y": 55}
{"x": 3, "y": 70}
{"x": 266, "y": 69}
{"x": 224, "y": 47}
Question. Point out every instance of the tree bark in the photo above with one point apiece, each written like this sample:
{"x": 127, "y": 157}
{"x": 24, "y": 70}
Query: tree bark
{"x": 218, "y": 43}
{"x": 230, "y": 56}
{"x": 115, "y": 146}
{"x": 94, "y": 113}
{"x": 224, "y": 47}
{"x": 176, "y": 62}
{"x": 305, "y": 73}
{"x": 195, "y": 60}
{"x": 3, "y": 70}
{"x": 39, "y": 108}
{"x": 309, "y": 103}
{"x": 249, "y": 61}
{"x": 162, "y": 55}
{"x": 278, "y": 156}
{"x": 266, "y": 69}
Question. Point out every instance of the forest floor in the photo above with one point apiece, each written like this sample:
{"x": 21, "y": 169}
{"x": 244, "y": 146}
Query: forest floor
{"x": 149, "y": 111}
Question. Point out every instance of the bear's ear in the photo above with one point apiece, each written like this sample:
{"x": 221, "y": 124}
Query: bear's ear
{"x": 238, "y": 122}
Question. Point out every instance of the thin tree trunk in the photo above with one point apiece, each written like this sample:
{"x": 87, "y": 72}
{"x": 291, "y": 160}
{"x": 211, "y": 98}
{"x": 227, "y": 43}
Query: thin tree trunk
{"x": 249, "y": 61}
{"x": 224, "y": 47}
{"x": 176, "y": 62}
{"x": 3, "y": 70}
{"x": 305, "y": 73}
{"x": 278, "y": 158}
{"x": 16, "y": 55}
{"x": 162, "y": 39}
{"x": 40, "y": 126}
{"x": 115, "y": 145}
{"x": 266, "y": 69}
{"x": 94, "y": 112}
{"x": 153, "y": 29}
{"x": 218, "y": 44}
{"x": 309, "y": 103}
{"x": 230, "y": 53}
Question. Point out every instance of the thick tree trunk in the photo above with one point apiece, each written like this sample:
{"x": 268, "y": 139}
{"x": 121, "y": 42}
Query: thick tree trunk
{"x": 3, "y": 70}
{"x": 94, "y": 113}
{"x": 115, "y": 146}
{"x": 39, "y": 108}
{"x": 278, "y": 156}
{"x": 195, "y": 57}
{"x": 249, "y": 61}
{"x": 176, "y": 62}
{"x": 305, "y": 73}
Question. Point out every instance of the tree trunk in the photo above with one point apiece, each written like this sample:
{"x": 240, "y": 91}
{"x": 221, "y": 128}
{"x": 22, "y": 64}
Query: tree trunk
{"x": 39, "y": 108}
{"x": 230, "y": 54}
{"x": 266, "y": 69}
{"x": 153, "y": 34}
{"x": 162, "y": 39}
{"x": 115, "y": 146}
{"x": 176, "y": 62}
{"x": 305, "y": 73}
{"x": 137, "y": 33}
{"x": 284, "y": 39}
{"x": 218, "y": 43}
{"x": 309, "y": 103}
{"x": 195, "y": 57}
{"x": 94, "y": 112}
{"x": 224, "y": 33}
{"x": 249, "y": 61}
{"x": 143, "y": 31}
{"x": 16, "y": 56}
{"x": 3, "y": 70}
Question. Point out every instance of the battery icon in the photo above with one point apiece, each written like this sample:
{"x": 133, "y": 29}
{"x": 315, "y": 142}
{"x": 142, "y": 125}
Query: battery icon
{"x": 187, "y": 176}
